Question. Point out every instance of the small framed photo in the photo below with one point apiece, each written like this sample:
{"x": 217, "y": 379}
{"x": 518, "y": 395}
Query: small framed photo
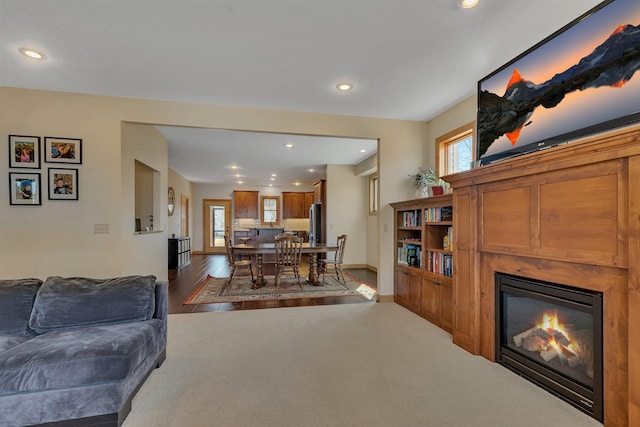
{"x": 63, "y": 184}
{"x": 24, "y": 188}
{"x": 62, "y": 150}
{"x": 24, "y": 151}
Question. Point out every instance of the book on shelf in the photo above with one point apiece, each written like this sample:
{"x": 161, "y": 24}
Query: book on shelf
{"x": 410, "y": 254}
{"x": 412, "y": 218}
{"x": 439, "y": 214}
{"x": 440, "y": 263}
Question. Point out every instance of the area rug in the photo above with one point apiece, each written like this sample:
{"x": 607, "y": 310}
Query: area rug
{"x": 217, "y": 289}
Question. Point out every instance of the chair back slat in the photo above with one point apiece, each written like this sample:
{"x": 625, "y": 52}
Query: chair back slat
{"x": 342, "y": 242}
{"x": 227, "y": 245}
{"x": 288, "y": 250}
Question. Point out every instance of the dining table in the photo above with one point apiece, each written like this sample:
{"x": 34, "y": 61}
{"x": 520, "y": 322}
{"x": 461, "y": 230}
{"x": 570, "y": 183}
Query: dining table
{"x": 312, "y": 249}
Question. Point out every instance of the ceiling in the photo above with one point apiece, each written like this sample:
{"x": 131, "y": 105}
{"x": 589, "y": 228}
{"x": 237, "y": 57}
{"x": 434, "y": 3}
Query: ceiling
{"x": 407, "y": 59}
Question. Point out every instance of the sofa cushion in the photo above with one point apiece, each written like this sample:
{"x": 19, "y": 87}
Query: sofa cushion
{"x": 16, "y": 300}
{"x": 79, "y": 357}
{"x": 75, "y": 302}
{"x": 8, "y": 341}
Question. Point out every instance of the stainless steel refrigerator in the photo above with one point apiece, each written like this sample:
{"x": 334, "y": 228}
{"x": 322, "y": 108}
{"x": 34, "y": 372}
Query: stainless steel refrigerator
{"x": 315, "y": 222}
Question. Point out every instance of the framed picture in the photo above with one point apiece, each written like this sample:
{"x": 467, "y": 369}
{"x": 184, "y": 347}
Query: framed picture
{"x": 62, "y": 150}
{"x": 24, "y": 151}
{"x": 24, "y": 188}
{"x": 63, "y": 184}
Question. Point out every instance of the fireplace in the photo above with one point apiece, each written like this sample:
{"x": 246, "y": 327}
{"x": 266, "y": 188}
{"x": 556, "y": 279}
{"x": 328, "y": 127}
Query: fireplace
{"x": 551, "y": 334}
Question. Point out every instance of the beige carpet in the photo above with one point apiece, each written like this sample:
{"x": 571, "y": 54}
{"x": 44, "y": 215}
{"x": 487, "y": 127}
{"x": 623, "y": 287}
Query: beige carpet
{"x": 339, "y": 365}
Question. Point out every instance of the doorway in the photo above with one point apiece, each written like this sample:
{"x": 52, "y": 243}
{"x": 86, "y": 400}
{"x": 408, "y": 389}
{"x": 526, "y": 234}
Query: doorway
{"x": 184, "y": 215}
{"x": 216, "y": 217}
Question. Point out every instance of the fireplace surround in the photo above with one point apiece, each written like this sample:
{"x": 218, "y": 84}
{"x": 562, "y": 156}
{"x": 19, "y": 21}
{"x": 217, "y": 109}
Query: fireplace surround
{"x": 552, "y": 335}
{"x": 568, "y": 215}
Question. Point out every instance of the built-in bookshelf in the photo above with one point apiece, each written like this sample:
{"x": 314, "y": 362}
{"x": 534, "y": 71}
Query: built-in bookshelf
{"x": 424, "y": 257}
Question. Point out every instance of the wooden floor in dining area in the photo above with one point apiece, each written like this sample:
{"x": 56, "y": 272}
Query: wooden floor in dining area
{"x": 184, "y": 280}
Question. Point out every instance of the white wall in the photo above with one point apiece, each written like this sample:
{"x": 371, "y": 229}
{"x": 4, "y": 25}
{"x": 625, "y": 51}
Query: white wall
{"x": 58, "y": 237}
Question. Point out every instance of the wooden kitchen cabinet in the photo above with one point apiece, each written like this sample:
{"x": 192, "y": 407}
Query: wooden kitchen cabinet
{"x": 246, "y": 204}
{"x": 308, "y": 201}
{"x": 293, "y": 205}
{"x": 319, "y": 192}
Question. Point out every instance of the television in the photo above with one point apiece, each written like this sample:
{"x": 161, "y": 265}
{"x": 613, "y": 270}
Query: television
{"x": 579, "y": 81}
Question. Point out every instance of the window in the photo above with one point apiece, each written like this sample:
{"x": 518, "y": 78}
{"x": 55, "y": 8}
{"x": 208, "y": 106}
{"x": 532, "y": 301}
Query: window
{"x": 269, "y": 210}
{"x": 456, "y": 150}
{"x": 373, "y": 194}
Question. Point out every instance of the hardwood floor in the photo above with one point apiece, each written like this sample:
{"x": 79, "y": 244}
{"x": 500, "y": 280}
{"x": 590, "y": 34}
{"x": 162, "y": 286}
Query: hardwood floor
{"x": 183, "y": 281}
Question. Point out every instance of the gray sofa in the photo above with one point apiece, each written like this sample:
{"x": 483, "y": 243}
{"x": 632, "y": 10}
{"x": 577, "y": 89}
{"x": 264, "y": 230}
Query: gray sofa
{"x": 74, "y": 351}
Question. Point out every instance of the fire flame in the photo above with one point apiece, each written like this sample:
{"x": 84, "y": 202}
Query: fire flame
{"x": 550, "y": 323}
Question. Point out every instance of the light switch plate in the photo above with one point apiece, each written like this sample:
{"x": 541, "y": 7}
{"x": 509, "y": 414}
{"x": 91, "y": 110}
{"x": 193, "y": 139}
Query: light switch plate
{"x": 101, "y": 228}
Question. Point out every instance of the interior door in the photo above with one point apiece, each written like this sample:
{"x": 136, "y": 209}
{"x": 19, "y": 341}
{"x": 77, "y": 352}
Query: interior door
{"x": 216, "y": 217}
{"x": 184, "y": 215}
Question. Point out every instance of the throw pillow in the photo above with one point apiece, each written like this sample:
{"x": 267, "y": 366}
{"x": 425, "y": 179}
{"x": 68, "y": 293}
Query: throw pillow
{"x": 74, "y": 302}
{"x": 16, "y": 300}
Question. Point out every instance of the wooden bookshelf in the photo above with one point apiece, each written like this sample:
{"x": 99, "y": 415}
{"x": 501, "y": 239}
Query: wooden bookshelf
{"x": 423, "y": 265}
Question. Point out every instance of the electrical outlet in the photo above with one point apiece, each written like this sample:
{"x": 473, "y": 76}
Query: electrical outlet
{"x": 101, "y": 228}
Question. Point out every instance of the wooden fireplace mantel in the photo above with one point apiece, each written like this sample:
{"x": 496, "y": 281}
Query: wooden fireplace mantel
{"x": 569, "y": 215}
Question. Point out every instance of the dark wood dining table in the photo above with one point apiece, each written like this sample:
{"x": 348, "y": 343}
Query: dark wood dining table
{"x": 260, "y": 249}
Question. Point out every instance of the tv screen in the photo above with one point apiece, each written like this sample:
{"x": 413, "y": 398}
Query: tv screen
{"x": 579, "y": 81}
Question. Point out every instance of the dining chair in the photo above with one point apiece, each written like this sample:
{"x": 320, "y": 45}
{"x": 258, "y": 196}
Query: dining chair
{"x": 233, "y": 263}
{"x": 288, "y": 257}
{"x": 336, "y": 262}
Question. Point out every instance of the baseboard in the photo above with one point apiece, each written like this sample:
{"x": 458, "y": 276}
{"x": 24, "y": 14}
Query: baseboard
{"x": 365, "y": 266}
{"x": 385, "y": 298}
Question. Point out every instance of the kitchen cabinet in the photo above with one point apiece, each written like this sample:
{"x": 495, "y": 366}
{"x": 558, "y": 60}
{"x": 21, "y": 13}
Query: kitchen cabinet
{"x": 308, "y": 201}
{"x": 293, "y": 205}
{"x": 246, "y": 204}
{"x": 319, "y": 192}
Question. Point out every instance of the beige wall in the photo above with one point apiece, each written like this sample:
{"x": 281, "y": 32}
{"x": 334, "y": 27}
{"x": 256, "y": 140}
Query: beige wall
{"x": 453, "y": 118}
{"x": 181, "y": 186}
{"x": 58, "y": 237}
{"x": 145, "y": 144}
{"x": 346, "y": 200}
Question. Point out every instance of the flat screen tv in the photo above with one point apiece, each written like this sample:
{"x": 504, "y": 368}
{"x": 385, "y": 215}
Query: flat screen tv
{"x": 579, "y": 81}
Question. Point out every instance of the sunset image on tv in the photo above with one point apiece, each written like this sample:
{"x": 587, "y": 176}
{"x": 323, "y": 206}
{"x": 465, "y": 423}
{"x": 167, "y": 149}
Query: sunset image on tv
{"x": 583, "y": 77}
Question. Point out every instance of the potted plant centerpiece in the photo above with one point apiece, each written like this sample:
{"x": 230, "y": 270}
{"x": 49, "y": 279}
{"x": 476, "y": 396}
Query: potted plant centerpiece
{"x": 427, "y": 183}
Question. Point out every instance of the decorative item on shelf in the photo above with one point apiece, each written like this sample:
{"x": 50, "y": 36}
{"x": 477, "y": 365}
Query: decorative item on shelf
{"x": 427, "y": 183}
{"x": 171, "y": 200}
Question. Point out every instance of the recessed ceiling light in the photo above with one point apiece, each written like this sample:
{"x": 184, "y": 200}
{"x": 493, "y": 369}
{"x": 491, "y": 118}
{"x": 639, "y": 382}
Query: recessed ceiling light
{"x": 467, "y": 4}
{"x": 289, "y": 145}
{"x": 312, "y": 170}
{"x": 234, "y": 167}
{"x": 273, "y": 174}
{"x": 272, "y": 179}
{"x": 344, "y": 87}
{"x": 33, "y": 54}
{"x": 363, "y": 151}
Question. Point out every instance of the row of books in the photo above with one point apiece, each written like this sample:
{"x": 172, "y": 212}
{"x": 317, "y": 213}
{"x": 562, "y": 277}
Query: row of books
{"x": 412, "y": 218}
{"x": 410, "y": 254}
{"x": 439, "y": 263}
{"x": 444, "y": 213}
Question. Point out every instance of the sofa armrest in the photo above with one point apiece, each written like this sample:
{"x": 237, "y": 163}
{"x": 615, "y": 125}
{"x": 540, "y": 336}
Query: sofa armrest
{"x": 162, "y": 293}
